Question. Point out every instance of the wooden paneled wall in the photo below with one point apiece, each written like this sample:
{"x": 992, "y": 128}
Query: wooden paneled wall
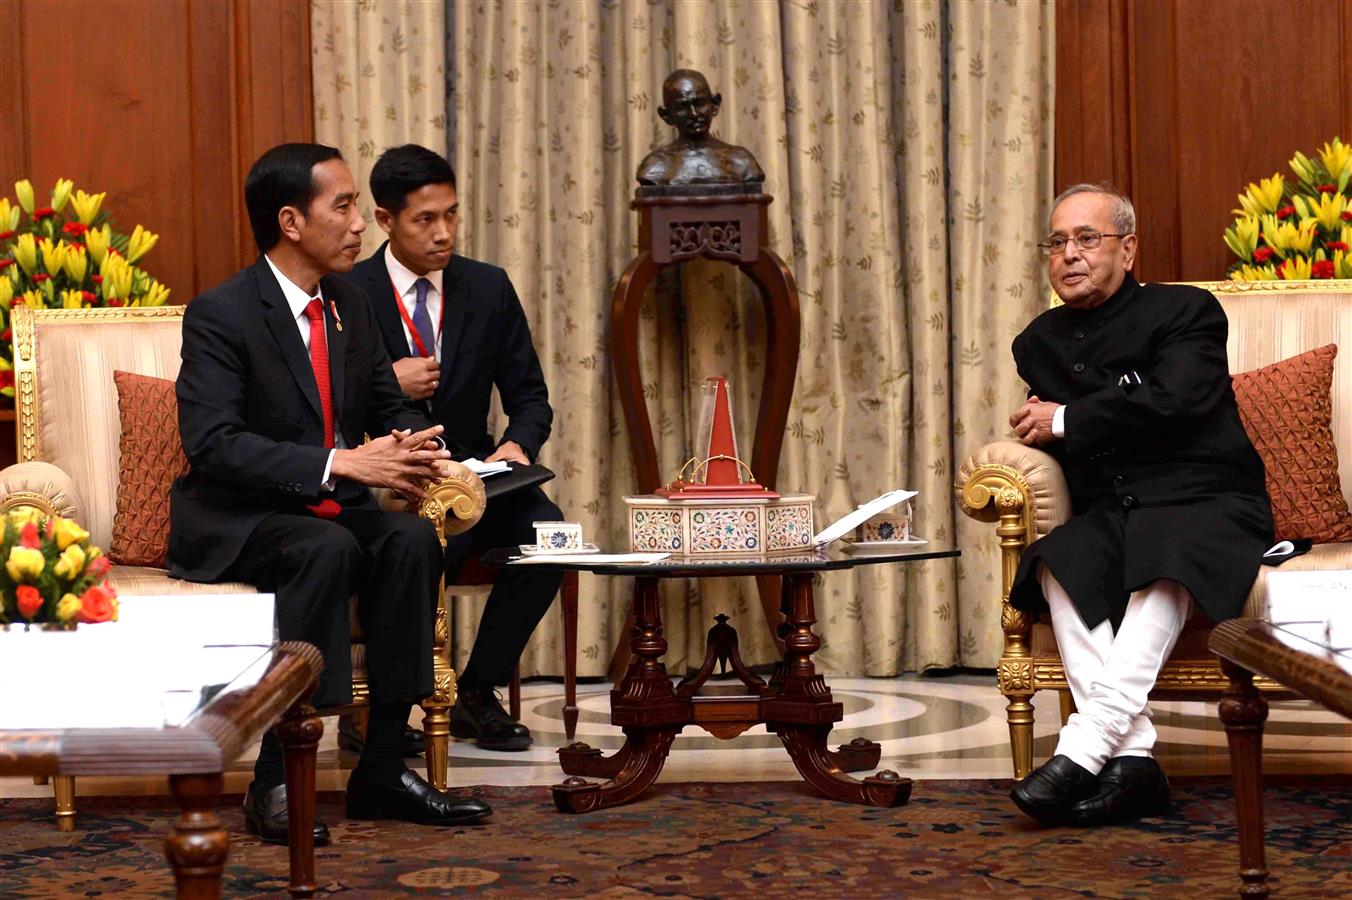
{"x": 1182, "y": 102}
{"x": 162, "y": 103}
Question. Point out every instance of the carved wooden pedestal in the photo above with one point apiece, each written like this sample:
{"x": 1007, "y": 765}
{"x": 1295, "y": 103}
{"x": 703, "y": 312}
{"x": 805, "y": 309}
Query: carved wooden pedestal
{"x": 796, "y": 705}
{"x": 680, "y": 224}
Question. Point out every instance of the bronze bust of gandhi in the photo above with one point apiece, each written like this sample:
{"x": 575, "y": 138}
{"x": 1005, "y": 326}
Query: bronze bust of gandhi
{"x": 696, "y": 157}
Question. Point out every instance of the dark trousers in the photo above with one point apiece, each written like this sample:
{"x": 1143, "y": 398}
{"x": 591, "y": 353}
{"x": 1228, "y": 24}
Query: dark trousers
{"x": 521, "y": 595}
{"x": 391, "y": 561}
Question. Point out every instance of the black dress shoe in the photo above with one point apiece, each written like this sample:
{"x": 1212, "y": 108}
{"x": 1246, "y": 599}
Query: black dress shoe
{"x": 267, "y": 817}
{"x": 477, "y": 714}
{"x": 410, "y": 799}
{"x": 351, "y": 740}
{"x": 1130, "y": 788}
{"x": 1050, "y": 790}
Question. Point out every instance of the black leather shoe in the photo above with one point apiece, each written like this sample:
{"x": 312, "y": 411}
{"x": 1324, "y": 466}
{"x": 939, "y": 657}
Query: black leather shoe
{"x": 412, "y": 800}
{"x": 351, "y": 740}
{"x": 266, "y": 817}
{"x": 1050, "y": 790}
{"x": 1130, "y": 788}
{"x": 477, "y": 714}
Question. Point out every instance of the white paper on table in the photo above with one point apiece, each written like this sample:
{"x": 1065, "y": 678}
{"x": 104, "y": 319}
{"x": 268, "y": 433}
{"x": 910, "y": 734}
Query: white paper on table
{"x": 606, "y": 559}
{"x": 1314, "y": 598}
{"x": 852, "y": 520}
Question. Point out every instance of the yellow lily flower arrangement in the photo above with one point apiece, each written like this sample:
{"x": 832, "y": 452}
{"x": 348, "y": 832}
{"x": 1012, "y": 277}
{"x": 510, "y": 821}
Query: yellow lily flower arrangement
{"x": 66, "y": 255}
{"x": 1295, "y": 229}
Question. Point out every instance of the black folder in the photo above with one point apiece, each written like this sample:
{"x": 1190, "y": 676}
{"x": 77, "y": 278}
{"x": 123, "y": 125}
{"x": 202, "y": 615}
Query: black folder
{"x": 517, "y": 478}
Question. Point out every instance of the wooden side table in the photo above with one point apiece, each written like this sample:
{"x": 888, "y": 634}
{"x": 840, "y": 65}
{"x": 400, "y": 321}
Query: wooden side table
{"x": 1307, "y": 665}
{"x": 194, "y": 756}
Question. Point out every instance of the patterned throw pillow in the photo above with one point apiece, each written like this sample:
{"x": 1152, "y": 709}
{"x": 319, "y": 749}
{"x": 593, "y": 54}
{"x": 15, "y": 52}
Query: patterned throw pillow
{"x": 1287, "y": 411}
{"x": 151, "y": 458}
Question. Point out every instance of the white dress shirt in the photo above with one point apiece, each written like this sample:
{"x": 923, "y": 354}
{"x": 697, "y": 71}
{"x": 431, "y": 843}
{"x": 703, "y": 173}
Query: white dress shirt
{"x": 404, "y": 280}
{"x": 298, "y": 299}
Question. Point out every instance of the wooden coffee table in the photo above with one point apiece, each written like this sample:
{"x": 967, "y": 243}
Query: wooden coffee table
{"x": 194, "y": 754}
{"x": 1294, "y": 655}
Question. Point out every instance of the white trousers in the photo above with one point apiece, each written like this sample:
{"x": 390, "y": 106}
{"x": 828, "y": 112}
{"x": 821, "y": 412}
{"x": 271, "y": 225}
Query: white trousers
{"x": 1111, "y": 675}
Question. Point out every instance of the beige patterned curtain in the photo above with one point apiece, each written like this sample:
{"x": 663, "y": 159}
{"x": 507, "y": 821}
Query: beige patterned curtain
{"x": 908, "y": 148}
{"x": 379, "y": 81}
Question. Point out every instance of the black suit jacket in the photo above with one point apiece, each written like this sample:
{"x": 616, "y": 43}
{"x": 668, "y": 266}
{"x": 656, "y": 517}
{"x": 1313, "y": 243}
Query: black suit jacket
{"x": 485, "y": 341}
{"x": 250, "y": 419}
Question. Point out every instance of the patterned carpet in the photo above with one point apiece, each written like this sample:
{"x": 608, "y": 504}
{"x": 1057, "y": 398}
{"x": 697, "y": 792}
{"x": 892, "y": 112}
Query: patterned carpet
{"x": 955, "y": 838}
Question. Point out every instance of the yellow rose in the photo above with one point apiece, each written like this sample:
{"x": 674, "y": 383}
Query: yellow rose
{"x": 67, "y": 607}
{"x": 68, "y": 532}
{"x": 71, "y": 562}
{"x": 24, "y": 564}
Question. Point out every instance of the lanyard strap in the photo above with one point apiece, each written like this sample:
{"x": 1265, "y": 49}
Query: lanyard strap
{"x": 408, "y": 322}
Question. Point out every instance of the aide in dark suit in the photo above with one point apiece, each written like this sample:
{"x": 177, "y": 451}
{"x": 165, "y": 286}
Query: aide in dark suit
{"x": 1129, "y": 388}
{"x": 278, "y": 490}
{"x": 455, "y": 330}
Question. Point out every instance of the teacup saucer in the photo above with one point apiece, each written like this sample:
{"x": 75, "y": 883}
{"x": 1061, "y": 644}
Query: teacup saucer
{"x": 882, "y": 546}
{"x": 537, "y": 550}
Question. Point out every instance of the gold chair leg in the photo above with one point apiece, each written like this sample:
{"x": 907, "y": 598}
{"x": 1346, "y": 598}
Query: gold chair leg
{"x": 1067, "y": 706}
{"x": 437, "y": 740}
{"x": 63, "y": 786}
{"x": 1020, "y": 715}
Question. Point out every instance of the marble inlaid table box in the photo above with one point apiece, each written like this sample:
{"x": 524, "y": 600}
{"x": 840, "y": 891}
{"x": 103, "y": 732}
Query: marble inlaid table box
{"x": 722, "y": 527}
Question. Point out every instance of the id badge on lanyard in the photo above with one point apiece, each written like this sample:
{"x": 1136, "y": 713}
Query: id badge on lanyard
{"x": 423, "y": 351}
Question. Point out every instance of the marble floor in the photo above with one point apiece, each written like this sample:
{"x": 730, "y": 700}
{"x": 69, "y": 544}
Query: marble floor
{"x": 950, "y": 727}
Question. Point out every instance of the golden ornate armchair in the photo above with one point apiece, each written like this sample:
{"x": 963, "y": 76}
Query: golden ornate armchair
{"x": 1022, "y": 491}
{"x": 69, "y": 429}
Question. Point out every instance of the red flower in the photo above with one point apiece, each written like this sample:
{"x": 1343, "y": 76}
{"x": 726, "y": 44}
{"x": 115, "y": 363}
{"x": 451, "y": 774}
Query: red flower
{"x": 6, "y": 235}
{"x": 6, "y": 378}
{"x": 1321, "y": 268}
{"x": 39, "y": 277}
{"x": 89, "y": 296}
{"x": 30, "y": 601}
{"x": 7, "y": 336}
{"x": 43, "y": 212}
{"x": 96, "y": 605}
{"x": 116, "y": 301}
{"x": 6, "y": 263}
{"x": 28, "y": 536}
{"x": 74, "y": 229}
{"x": 97, "y": 567}
{"x": 1281, "y": 267}
{"x": 1327, "y": 188}
{"x": 97, "y": 279}
{"x": 1286, "y": 212}
{"x": 1262, "y": 255}
{"x": 1347, "y": 216}
{"x": 1336, "y": 245}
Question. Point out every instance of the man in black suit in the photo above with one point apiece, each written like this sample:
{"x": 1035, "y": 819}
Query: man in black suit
{"x": 283, "y": 373}
{"x": 455, "y": 329}
{"x": 1129, "y": 388}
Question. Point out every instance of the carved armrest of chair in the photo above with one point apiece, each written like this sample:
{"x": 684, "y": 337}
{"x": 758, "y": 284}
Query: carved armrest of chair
{"x": 41, "y": 486}
{"x": 1022, "y": 490}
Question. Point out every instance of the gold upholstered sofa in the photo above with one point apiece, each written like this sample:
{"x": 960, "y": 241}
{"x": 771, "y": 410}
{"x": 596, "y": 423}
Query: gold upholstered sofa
{"x": 69, "y": 434}
{"x": 1022, "y": 491}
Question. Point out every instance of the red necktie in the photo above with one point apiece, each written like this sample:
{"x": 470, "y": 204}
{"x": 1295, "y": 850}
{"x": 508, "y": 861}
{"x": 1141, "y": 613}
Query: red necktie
{"x": 327, "y": 508}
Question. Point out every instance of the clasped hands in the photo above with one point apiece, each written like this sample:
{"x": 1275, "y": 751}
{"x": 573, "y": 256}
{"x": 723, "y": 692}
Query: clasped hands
{"x": 403, "y": 461}
{"x": 1032, "y": 422}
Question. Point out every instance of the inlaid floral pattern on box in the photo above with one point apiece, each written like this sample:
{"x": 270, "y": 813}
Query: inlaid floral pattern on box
{"x": 725, "y": 530}
{"x": 657, "y": 529}
{"x": 787, "y": 527}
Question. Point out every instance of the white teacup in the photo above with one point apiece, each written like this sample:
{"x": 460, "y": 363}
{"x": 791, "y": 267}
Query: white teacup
{"x": 558, "y": 536}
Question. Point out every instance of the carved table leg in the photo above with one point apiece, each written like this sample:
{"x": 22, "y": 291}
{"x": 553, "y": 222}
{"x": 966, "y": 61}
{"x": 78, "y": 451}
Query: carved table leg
{"x": 198, "y": 845}
{"x": 569, "y": 610}
{"x": 644, "y": 705}
{"x": 63, "y": 789}
{"x": 1243, "y": 710}
{"x": 859, "y": 755}
{"x": 802, "y": 712}
{"x": 299, "y": 733}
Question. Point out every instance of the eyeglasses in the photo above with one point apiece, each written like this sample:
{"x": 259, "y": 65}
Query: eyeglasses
{"x": 1085, "y": 240}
